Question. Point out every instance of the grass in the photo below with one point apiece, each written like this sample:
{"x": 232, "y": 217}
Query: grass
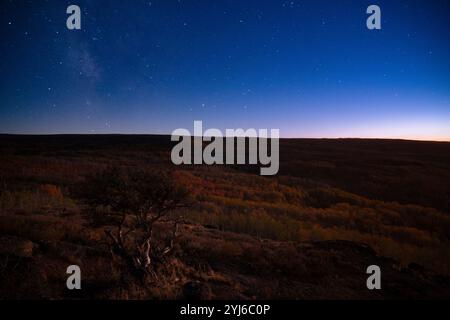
{"x": 392, "y": 195}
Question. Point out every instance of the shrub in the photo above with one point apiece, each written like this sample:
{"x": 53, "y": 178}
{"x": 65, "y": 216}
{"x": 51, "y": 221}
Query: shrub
{"x": 140, "y": 199}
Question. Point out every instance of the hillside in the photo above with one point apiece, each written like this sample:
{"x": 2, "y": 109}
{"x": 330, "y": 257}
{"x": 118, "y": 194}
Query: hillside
{"x": 336, "y": 207}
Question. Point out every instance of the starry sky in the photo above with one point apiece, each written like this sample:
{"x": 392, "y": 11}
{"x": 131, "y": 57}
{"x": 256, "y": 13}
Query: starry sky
{"x": 310, "y": 68}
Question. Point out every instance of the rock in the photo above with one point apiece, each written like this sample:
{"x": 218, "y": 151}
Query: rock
{"x": 19, "y": 247}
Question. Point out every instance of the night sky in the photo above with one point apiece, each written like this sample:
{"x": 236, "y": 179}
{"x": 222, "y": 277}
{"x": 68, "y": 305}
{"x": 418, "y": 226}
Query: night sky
{"x": 310, "y": 68}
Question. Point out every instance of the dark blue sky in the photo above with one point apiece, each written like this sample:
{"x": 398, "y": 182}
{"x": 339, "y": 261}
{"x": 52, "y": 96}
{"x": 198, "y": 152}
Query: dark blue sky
{"x": 309, "y": 68}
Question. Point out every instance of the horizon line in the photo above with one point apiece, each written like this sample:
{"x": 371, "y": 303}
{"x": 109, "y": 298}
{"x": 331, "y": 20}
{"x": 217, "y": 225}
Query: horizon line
{"x": 281, "y": 138}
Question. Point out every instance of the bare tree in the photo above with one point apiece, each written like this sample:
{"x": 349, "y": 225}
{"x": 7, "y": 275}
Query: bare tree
{"x": 139, "y": 199}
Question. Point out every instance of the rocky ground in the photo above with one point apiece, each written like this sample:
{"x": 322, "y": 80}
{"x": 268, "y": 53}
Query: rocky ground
{"x": 211, "y": 264}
